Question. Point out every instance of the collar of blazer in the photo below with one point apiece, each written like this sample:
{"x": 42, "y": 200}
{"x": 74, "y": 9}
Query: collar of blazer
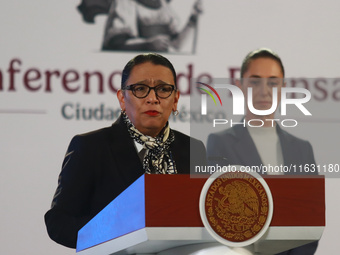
{"x": 247, "y": 151}
{"x": 124, "y": 151}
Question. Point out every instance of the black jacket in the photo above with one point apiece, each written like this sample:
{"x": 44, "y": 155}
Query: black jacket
{"x": 97, "y": 167}
{"x": 235, "y": 146}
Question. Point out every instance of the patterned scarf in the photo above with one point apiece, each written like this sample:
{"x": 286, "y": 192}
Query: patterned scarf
{"x": 158, "y": 157}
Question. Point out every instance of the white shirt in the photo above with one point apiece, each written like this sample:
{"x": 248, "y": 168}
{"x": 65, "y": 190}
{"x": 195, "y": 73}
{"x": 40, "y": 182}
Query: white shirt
{"x": 139, "y": 147}
{"x": 268, "y": 146}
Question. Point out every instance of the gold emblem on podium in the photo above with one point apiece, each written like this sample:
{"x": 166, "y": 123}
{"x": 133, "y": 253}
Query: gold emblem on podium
{"x": 236, "y": 206}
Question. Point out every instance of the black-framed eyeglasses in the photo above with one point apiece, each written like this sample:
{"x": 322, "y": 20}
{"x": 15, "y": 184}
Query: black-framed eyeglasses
{"x": 141, "y": 90}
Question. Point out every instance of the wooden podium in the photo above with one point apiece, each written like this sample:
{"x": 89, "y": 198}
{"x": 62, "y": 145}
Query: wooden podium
{"x": 161, "y": 212}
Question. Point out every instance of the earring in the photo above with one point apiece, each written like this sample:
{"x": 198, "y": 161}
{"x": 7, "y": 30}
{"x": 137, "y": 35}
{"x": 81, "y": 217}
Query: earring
{"x": 175, "y": 113}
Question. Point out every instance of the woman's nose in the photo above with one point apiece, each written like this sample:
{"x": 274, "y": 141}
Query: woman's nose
{"x": 152, "y": 97}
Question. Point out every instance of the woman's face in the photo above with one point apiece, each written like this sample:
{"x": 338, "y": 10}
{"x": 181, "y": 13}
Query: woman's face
{"x": 150, "y": 114}
{"x": 262, "y": 76}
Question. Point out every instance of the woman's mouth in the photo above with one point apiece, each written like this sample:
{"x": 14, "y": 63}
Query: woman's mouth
{"x": 152, "y": 113}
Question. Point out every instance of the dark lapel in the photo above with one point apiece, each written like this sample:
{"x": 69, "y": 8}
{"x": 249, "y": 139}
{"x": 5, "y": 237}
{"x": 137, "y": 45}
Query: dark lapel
{"x": 180, "y": 149}
{"x": 286, "y": 143}
{"x": 124, "y": 152}
{"x": 245, "y": 147}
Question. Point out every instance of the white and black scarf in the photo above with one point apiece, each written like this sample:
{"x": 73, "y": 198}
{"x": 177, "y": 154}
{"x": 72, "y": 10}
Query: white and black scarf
{"x": 158, "y": 158}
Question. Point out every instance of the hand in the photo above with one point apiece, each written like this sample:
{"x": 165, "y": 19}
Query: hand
{"x": 159, "y": 43}
{"x": 198, "y": 8}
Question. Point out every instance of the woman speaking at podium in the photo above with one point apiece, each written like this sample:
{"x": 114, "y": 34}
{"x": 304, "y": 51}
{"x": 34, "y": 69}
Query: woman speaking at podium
{"x": 101, "y": 164}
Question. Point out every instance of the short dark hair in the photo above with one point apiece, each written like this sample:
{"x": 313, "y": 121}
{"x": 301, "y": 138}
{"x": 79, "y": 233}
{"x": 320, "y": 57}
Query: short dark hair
{"x": 260, "y": 53}
{"x": 153, "y": 58}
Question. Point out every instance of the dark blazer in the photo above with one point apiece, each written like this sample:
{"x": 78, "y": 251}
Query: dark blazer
{"x": 97, "y": 167}
{"x": 235, "y": 146}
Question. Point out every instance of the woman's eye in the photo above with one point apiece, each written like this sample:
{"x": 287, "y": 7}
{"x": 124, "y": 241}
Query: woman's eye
{"x": 254, "y": 82}
{"x": 273, "y": 82}
{"x": 140, "y": 88}
{"x": 164, "y": 89}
